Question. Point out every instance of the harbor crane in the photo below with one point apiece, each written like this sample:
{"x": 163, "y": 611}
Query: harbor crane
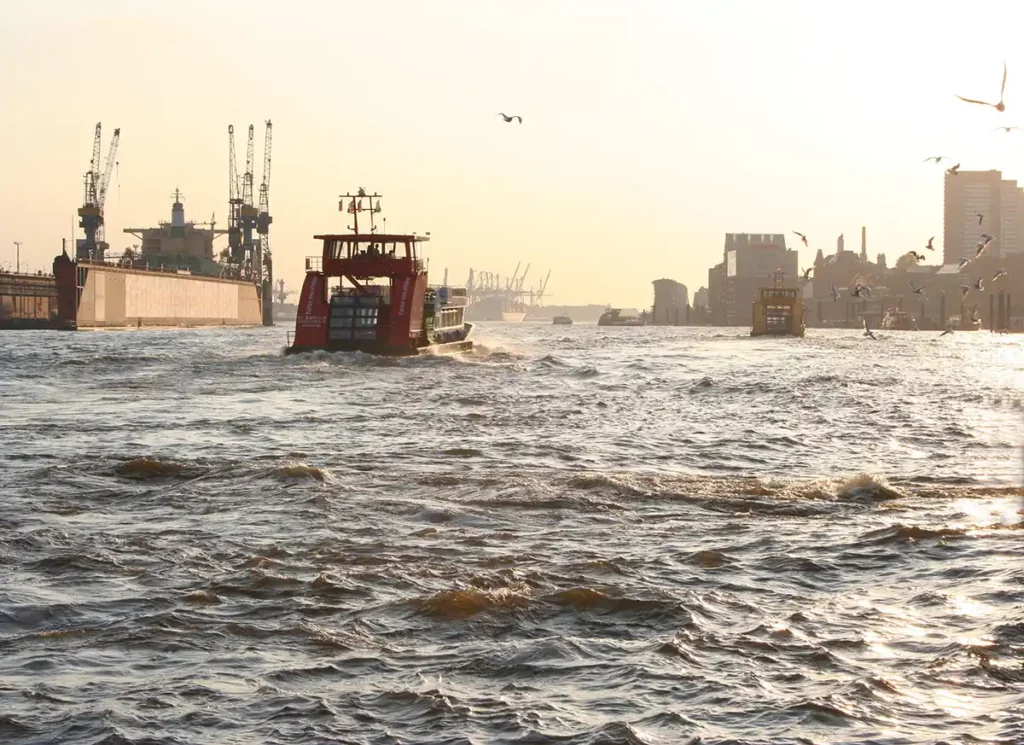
{"x": 234, "y": 202}
{"x": 537, "y": 296}
{"x": 97, "y": 180}
{"x": 249, "y": 224}
{"x": 263, "y": 218}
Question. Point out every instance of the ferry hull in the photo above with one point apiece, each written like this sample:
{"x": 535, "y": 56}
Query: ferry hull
{"x": 795, "y": 331}
{"x": 383, "y": 350}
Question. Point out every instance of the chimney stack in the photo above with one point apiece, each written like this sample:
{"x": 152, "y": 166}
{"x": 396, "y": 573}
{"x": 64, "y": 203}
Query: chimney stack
{"x": 864, "y": 243}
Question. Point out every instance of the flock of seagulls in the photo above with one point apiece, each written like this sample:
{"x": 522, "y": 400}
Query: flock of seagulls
{"x": 862, "y": 290}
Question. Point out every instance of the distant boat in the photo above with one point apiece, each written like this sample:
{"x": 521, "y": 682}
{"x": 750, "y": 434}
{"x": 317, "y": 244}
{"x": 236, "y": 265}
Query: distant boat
{"x": 778, "y": 311}
{"x": 614, "y": 317}
{"x": 897, "y": 319}
{"x": 562, "y": 321}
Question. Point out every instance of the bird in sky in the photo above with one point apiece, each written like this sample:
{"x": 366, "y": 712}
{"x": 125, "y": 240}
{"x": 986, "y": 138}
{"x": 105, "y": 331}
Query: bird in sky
{"x": 997, "y": 275}
{"x": 979, "y": 285}
{"x": 859, "y": 288}
{"x": 947, "y": 331}
{"x": 869, "y": 332}
{"x": 936, "y": 158}
{"x": 981, "y": 248}
{"x": 917, "y": 290}
{"x": 930, "y": 247}
{"x": 964, "y": 261}
{"x": 916, "y": 255}
{"x": 835, "y": 294}
{"x": 964, "y": 289}
{"x": 952, "y": 170}
{"x": 1005, "y": 129}
{"x": 987, "y": 238}
{"x": 980, "y": 217}
{"x": 802, "y": 237}
{"x": 508, "y": 118}
{"x": 997, "y": 106}
{"x": 807, "y": 272}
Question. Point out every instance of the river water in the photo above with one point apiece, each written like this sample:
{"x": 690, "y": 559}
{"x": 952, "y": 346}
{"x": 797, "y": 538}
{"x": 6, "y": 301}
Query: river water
{"x": 572, "y": 535}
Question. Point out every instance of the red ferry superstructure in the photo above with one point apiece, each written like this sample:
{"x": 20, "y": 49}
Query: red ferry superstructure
{"x": 368, "y": 292}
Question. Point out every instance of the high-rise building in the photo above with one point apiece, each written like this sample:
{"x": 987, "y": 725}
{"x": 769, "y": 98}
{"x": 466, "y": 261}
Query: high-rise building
{"x": 978, "y": 203}
{"x": 700, "y": 298}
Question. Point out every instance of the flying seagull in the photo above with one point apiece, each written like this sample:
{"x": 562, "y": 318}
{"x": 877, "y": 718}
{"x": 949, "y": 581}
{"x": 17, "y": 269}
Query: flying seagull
{"x": 868, "y": 332}
{"x": 807, "y": 273}
{"x": 964, "y": 261}
{"x": 802, "y": 237}
{"x": 508, "y": 118}
{"x": 980, "y": 217}
{"x": 997, "y": 275}
{"x": 964, "y": 289}
{"x": 835, "y": 293}
{"x": 979, "y": 285}
{"x": 916, "y": 255}
{"x": 859, "y": 288}
{"x": 936, "y": 158}
{"x": 917, "y": 290}
{"x": 987, "y": 238}
{"x": 1005, "y": 129}
{"x": 930, "y": 247}
{"x": 981, "y": 249}
{"x": 952, "y": 171}
{"x": 947, "y": 331}
{"x": 997, "y": 106}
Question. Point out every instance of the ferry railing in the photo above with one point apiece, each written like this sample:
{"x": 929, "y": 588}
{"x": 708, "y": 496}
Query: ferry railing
{"x": 314, "y": 263}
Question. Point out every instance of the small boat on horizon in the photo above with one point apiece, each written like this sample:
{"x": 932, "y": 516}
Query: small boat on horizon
{"x": 562, "y": 321}
{"x": 614, "y": 317}
{"x": 897, "y": 319}
{"x": 387, "y": 307}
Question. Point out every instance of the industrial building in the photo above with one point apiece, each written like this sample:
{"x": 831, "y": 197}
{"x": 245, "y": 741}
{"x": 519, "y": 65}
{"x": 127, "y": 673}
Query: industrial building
{"x": 671, "y": 303}
{"x": 750, "y": 261}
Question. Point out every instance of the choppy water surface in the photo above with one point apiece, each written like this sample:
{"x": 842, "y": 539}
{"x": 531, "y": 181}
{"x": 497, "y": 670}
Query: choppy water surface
{"x": 574, "y": 535}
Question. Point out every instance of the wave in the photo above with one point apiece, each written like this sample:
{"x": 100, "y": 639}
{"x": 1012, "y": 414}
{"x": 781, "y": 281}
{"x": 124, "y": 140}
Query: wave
{"x": 202, "y": 597}
{"x": 708, "y": 559}
{"x": 462, "y": 452}
{"x": 301, "y": 472}
{"x": 911, "y": 534}
{"x": 468, "y": 602}
{"x": 142, "y": 469}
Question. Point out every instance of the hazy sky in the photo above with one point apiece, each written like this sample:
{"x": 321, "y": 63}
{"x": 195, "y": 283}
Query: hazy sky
{"x": 651, "y": 128}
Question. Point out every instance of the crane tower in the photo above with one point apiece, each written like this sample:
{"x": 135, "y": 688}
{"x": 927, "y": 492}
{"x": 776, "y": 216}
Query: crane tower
{"x": 97, "y": 179}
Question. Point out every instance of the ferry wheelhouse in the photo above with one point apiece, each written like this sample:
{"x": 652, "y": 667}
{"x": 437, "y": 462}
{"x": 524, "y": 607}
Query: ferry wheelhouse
{"x": 778, "y": 310}
{"x": 368, "y": 292}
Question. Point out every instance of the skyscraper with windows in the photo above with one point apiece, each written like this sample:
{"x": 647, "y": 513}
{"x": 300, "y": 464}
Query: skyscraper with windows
{"x": 978, "y": 203}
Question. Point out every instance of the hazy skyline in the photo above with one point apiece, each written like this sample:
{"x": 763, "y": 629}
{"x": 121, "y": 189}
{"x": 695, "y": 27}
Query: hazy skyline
{"x": 650, "y": 129}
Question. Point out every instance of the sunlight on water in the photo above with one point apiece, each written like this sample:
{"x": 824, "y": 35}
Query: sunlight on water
{"x": 584, "y": 536}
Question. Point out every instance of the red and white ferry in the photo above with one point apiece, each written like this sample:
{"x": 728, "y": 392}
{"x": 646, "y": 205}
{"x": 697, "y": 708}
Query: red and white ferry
{"x": 368, "y": 292}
